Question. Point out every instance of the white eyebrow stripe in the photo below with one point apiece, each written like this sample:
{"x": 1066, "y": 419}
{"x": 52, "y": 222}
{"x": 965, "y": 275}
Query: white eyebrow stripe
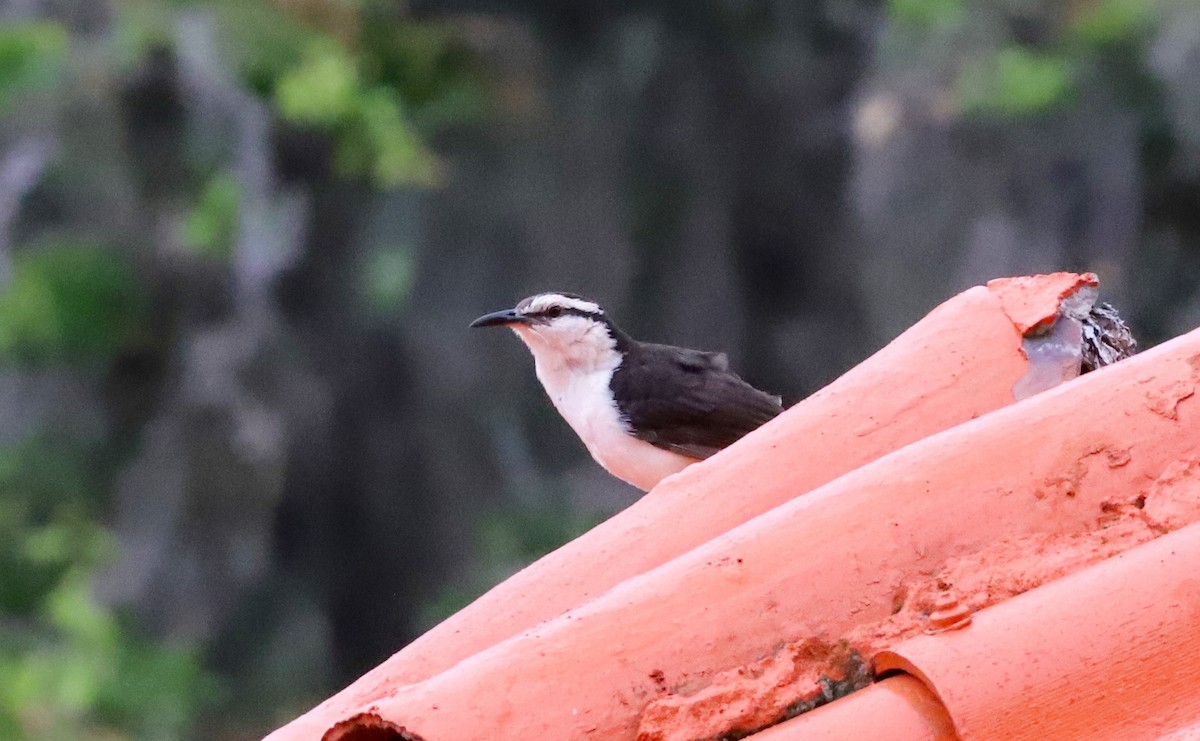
{"x": 545, "y": 301}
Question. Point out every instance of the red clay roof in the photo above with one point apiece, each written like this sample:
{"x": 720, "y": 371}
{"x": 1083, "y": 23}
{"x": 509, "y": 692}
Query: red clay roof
{"x": 899, "y": 708}
{"x": 667, "y": 621}
{"x": 1032, "y": 301}
{"x": 1110, "y": 651}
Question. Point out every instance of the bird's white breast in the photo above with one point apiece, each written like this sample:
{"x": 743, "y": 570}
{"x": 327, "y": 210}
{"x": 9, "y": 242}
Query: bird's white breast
{"x": 575, "y": 361}
{"x": 585, "y": 401}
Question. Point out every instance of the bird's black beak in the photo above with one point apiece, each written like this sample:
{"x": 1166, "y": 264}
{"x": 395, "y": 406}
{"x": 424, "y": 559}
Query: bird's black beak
{"x": 503, "y": 318}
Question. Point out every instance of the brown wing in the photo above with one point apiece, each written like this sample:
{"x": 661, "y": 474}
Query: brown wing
{"x": 688, "y": 401}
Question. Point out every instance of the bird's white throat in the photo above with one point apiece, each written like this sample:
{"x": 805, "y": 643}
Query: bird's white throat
{"x": 576, "y": 343}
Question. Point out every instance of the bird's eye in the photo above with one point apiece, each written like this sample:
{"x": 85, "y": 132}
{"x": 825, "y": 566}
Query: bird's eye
{"x": 554, "y": 312}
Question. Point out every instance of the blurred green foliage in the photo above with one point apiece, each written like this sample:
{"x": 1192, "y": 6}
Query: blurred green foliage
{"x": 323, "y": 90}
{"x": 1015, "y": 80}
{"x": 374, "y": 136}
{"x": 1109, "y": 22}
{"x": 379, "y": 95}
{"x": 210, "y": 228}
{"x": 70, "y": 667}
{"x": 45, "y": 525}
{"x": 31, "y": 59}
{"x": 926, "y": 12}
{"x": 377, "y": 85}
{"x": 999, "y": 71}
{"x": 67, "y": 302}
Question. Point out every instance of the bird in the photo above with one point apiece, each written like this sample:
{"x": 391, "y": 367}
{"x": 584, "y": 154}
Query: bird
{"x": 643, "y": 410}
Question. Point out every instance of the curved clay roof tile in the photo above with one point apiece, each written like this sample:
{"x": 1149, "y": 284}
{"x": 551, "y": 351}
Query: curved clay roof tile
{"x": 1109, "y": 652}
{"x": 898, "y": 708}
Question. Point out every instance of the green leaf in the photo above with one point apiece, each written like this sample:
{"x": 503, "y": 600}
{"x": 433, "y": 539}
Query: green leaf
{"x": 400, "y": 158}
{"x": 28, "y": 314}
{"x": 69, "y": 607}
{"x": 67, "y": 302}
{"x": 1109, "y": 22}
{"x": 322, "y": 91}
{"x": 926, "y": 13}
{"x": 158, "y": 690}
{"x": 210, "y": 228}
{"x": 1016, "y": 81}
{"x": 31, "y": 58}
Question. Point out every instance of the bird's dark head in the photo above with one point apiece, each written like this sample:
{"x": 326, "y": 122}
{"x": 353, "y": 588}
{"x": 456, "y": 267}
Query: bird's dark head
{"x": 558, "y": 324}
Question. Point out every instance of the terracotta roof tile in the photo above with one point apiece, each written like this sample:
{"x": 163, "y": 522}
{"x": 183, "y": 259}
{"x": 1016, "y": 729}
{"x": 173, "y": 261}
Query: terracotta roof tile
{"x": 1111, "y": 651}
{"x": 900, "y": 708}
{"x": 1032, "y": 301}
{"x": 855, "y": 563}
